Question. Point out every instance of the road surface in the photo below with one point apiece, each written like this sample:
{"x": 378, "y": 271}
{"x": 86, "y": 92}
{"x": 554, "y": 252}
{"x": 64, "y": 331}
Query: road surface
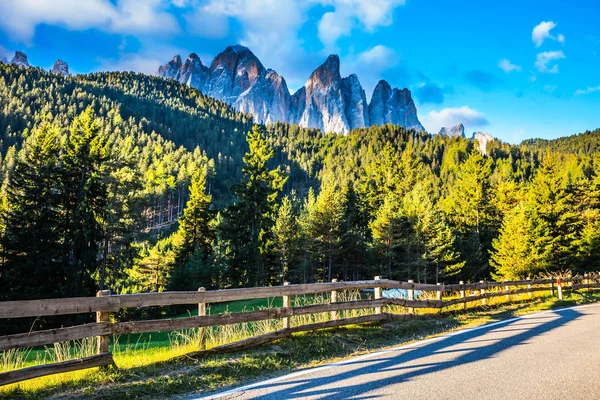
{"x": 551, "y": 355}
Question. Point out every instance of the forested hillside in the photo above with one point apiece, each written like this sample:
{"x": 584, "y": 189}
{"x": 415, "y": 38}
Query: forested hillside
{"x": 137, "y": 183}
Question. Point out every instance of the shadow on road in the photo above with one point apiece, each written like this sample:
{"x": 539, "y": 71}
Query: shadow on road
{"x": 320, "y": 386}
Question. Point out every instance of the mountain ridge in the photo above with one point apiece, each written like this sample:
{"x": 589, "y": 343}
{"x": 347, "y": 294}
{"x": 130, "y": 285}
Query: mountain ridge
{"x": 327, "y": 100}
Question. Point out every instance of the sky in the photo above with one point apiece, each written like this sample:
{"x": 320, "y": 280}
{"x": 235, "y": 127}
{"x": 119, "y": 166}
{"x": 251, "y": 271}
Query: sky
{"x": 516, "y": 69}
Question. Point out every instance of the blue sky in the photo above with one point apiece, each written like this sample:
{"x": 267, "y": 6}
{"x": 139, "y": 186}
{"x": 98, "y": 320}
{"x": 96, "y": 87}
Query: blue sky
{"x": 515, "y": 69}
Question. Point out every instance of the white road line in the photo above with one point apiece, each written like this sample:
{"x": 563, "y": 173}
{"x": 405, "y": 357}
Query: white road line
{"x": 382, "y": 352}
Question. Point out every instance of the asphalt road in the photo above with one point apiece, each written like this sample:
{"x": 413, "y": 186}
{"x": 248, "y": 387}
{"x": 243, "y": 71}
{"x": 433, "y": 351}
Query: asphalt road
{"x": 552, "y": 355}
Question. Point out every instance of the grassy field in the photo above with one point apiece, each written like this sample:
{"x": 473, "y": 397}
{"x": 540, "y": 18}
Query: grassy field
{"x": 146, "y": 372}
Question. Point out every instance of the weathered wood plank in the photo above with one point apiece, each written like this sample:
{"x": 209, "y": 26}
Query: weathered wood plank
{"x": 72, "y": 305}
{"x": 487, "y": 285}
{"x": 492, "y": 294}
{"x": 105, "y": 329}
{"x": 37, "y": 338}
{"x": 81, "y": 305}
{"x": 583, "y": 286}
{"x": 18, "y": 375}
{"x": 220, "y": 296}
{"x": 162, "y": 325}
{"x": 416, "y": 303}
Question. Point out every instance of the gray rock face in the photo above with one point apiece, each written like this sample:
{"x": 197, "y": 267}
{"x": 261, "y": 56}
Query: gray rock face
{"x": 356, "y": 106}
{"x": 457, "y": 130}
{"x": 20, "y": 59}
{"x": 192, "y": 72}
{"x": 171, "y": 69}
{"x": 60, "y": 68}
{"x": 482, "y": 140}
{"x": 322, "y": 99}
{"x": 393, "y": 106}
{"x": 232, "y": 72}
{"x": 327, "y": 101}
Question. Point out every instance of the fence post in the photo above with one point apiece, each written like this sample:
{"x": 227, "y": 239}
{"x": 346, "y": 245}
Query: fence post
{"x": 411, "y": 296}
{"x": 462, "y": 295}
{"x": 334, "y": 314}
{"x": 439, "y": 292}
{"x": 552, "y": 287}
{"x": 587, "y": 281}
{"x": 286, "y": 304}
{"x": 529, "y": 288}
{"x": 559, "y": 289}
{"x": 507, "y": 289}
{"x": 202, "y": 331}
{"x": 378, "y": 292}
{"x": 103, "y": 316}
{"x": 482, "y": 292}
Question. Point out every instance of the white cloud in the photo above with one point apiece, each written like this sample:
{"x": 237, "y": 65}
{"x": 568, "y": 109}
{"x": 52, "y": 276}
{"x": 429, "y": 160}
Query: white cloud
{"x": 202, "y": 22}
{"x": 350, "y": 14}
{"x": 542, "y": 32}
{"x": 507, "y": 66}
{"x": 370, "y": 64}
{"x": 466, "y": 115}
{"x": 378, "y": 57}
{"x": 550, "y": 88}
{"x": 545, "y": 58}
{"x": 332, "y": 26}
{"x": 20, "y": 18}
{"x": 588, "y": 90}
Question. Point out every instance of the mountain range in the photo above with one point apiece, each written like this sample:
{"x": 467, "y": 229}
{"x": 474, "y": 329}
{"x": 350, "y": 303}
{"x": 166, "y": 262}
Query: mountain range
{"x": 327, "y": 101}
{"x": 20, "y": 59}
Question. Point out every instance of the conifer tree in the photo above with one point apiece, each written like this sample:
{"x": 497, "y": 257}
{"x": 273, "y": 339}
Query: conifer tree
{"x": 389, "y": 234}
{"x": 285, "y": 234}
{"x": 34, "y": 251}
{"x": 470, "y": 209}
{"x": 325, "y": 228}
{"x": 524, "y": 246}
{"x": 196, "y": 236}
{"x": 250, "y": 219}
{"x": 85, "y": 202}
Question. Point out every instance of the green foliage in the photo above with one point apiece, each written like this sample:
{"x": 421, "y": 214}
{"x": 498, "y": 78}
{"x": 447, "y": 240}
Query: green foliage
{"x": 249, "y": 221}
{"x": 136, "y": 183}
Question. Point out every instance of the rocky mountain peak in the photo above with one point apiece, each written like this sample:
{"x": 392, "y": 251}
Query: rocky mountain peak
{"x": 171, "y": 69}
{"x": 193, "y": 72}
{"x": 356, "y": 106}
{"x": 232, "y": 72}
{"x": 457, "y": 130}
{"x": 20, "y": 59}
{"x": 60, "y": 68}
{"x": 482, "y": 139}
{"x": 393, "y": 106}
{"x": 326, "y": 74}
{"x": 3, "y": 60}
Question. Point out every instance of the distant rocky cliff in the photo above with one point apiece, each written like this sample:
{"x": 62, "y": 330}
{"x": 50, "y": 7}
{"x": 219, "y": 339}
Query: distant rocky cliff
{"x": 326, "y": 101}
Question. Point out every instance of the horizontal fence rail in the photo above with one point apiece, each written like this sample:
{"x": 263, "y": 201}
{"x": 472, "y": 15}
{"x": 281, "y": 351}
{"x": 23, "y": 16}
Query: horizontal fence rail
{"x": 104, "y": 304}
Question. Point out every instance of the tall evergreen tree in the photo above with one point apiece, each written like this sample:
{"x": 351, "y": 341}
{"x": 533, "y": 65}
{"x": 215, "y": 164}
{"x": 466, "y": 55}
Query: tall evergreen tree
{"x": 33, "y": 245}
{"x": 470, "y": 209}
{"x": 285, "y": 234}
{"x": 250, "y": 219}
{"x": 196, "y": 236}
{"x": 524, "y": 246}
{"x": 325, "y": 228}
{"x": 86, "y": 194}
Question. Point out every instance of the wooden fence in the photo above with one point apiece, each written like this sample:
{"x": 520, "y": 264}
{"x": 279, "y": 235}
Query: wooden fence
{"x": 104, "y": 304}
